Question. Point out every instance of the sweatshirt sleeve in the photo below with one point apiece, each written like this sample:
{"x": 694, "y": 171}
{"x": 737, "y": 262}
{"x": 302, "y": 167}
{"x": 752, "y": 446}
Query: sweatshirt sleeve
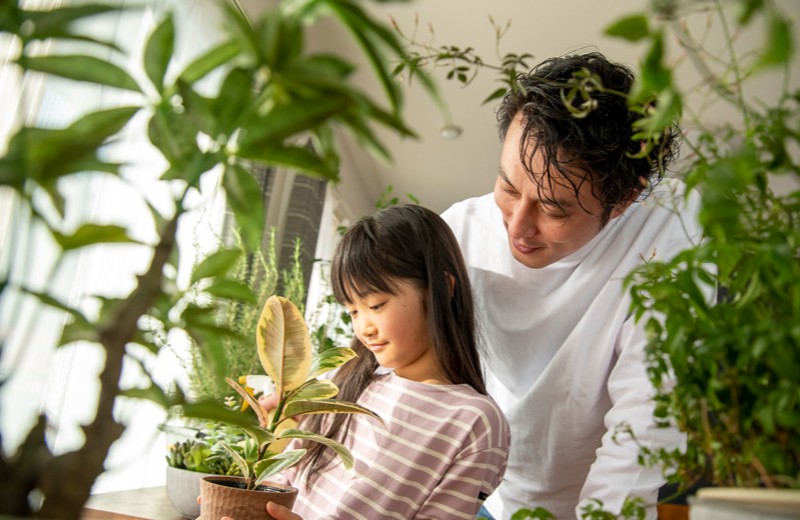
{"x": 616, "y": 472}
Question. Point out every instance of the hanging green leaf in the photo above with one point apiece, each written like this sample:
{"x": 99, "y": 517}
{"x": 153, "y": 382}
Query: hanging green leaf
{"x": 779, "y": 47}
{"x": 295, "y": 158}
{"x": 172, "y": 135}
{"x": 158, "y": 52}
{"x": 59, "y": 22}
{"x": 210, "y": 61}
{"x": 632, "y": 28}
{"x": 286, "y": 120}
{"x": 244, "y": 196}
{"x": 279, "y": 39}
{"x": 371, "y": 37}
{"x": 91, "y": 234}
{"x": 233, "y": 102}
{"x": 81, "y": 68}
{"x": 47, "y": 154}
{"x": 151, "y": 393}
{"x": 217, "y": 263}
{"x": 231, "y": 290}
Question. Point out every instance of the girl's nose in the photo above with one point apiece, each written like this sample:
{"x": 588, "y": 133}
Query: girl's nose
{"x": 368, "y": 330}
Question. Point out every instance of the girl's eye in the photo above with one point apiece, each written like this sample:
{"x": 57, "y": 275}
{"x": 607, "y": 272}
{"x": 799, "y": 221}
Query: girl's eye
{"x": 352, "y": 313}
{"x": 376, "y": 307}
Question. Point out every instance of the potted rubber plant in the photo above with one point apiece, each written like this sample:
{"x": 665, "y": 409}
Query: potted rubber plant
{"x": 294, "y": 367}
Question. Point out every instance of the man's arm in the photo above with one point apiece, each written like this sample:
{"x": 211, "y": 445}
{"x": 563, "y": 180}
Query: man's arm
{"x": 616, "y": 473}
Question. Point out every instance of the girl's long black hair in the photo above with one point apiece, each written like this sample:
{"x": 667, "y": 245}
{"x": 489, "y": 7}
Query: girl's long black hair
{"x": 401, "y": 243}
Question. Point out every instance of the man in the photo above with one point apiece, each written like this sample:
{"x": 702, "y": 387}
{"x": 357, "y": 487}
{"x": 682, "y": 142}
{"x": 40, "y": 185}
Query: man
{"x": 570, "y": 216}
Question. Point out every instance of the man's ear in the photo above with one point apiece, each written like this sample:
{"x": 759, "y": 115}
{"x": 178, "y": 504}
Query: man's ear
{"x": 622, "y": 206}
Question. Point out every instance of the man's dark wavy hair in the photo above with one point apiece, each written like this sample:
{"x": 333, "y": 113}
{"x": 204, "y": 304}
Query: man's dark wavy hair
{"x": 600, "y": 142}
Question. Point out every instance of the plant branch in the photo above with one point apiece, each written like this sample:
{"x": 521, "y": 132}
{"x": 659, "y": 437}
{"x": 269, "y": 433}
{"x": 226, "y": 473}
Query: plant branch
{"x": 70, "y": 476}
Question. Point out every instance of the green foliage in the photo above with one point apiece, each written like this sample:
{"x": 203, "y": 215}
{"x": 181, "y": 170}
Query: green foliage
{"x": 254, "y": 275}
{"x": 632, "y": 509}
{"x": 462, "y": 63}
{"x": 276, "y": 104}
{"x": 726, "y": 371}
{"x": 205, "y": 452}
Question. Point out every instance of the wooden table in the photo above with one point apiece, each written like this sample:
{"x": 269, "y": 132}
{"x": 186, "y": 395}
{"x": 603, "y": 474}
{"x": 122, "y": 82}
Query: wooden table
{"x": 135, "y": 504}
{"x": 153, "y": 504}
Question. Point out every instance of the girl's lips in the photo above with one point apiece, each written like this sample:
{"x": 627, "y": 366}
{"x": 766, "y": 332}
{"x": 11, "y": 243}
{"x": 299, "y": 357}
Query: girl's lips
{"x": 376, "y": 347}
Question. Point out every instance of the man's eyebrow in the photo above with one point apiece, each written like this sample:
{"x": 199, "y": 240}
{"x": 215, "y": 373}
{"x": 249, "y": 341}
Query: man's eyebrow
{"x": 545, "y": 201}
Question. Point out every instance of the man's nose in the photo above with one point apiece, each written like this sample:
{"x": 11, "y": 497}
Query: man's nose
{"x": 522, "y": 220}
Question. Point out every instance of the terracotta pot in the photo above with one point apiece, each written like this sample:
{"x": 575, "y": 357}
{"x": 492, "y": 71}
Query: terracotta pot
{"x": 183, "y": 488}
{"x": 226, "y": 496}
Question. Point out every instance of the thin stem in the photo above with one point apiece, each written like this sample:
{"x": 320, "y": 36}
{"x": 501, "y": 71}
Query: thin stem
{"x": 737, "y": 71}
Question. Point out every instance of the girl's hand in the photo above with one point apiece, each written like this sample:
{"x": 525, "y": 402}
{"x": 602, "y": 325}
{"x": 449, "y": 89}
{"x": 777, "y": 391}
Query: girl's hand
{"x": 278, "y": 512}
{"x": 269, "y": 401}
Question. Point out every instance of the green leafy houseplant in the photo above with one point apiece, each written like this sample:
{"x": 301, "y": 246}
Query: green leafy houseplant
{"x": 726, "y": 370}
{"x": 275, "y": 103}
{"x": 285, "y": 351}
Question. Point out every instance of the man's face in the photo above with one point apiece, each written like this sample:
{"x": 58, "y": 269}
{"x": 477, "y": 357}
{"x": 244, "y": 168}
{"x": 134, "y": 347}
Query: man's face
{"x": 539, "y": 232}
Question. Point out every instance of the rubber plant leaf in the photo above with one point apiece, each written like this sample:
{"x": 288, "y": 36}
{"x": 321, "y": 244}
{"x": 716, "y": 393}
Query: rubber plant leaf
{"x": 284, "y": 346}
{"x": 315, "y": 389}
{"x": 308, "y": 407}
{"x": 344, "y": 453}
{"x": 330, "y": 359}
{"x": 265, "y": 468}
{"x": 240, "y": 461}
{"x": 263, "y": 416}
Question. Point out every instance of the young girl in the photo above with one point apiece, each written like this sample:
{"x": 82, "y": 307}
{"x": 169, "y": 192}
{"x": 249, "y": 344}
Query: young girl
{"x": 444, "y": 445}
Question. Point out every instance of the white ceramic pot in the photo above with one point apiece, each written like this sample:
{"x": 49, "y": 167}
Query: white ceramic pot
{"x": 744, "y": 504}
{"x": 183, "y": 488}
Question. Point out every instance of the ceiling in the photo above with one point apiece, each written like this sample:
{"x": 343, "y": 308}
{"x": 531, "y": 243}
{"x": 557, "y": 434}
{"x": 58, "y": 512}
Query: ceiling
{"x": 439, "y": 171}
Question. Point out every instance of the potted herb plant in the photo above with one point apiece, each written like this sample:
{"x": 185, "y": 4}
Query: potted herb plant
{"x": 199, "y": 452}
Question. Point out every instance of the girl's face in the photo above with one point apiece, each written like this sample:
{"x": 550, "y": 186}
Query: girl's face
{"x": 394, "y": 327}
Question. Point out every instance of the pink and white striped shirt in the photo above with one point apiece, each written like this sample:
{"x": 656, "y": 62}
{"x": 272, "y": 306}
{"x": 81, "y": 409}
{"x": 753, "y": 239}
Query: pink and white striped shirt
{"x": 443, "y": 450}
